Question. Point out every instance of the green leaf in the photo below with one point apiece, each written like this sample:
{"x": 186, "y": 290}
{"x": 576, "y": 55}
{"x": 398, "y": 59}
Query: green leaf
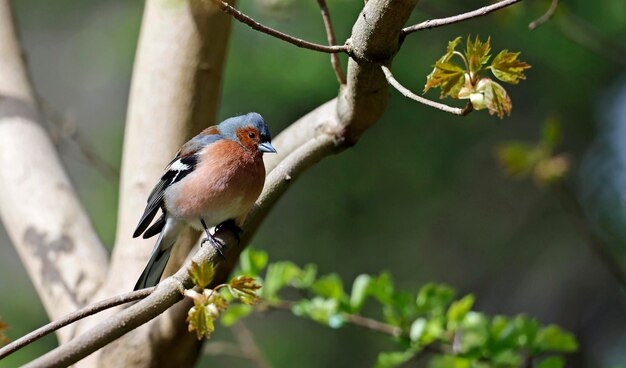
{"x": 381, "y": 288}
{"x": 433, "y": 299}
{"x": 459, "y": 308}
{"x": 551, "y": 133}
{"x": 507, "y": 68}
{"x": 359, "y": 292}
{"x": 417, "y": 329}
{"x": 516, "y": 158}
{"x": 477, "y": 54}
{"x": 552, "y": 362}
{"x": 306, "y": 277}
{"x": 234, "y": 313}
{"x": 252, "y": 261}
{"x": 200, "y": 319}
{"x": 450, "y": 77}
{"x": 201, "y": 274}
{"x": 325, "y": 311}
{"x": 329, "y": 286}
{"x": 449, "y": 361}
{"x": 279, "y": 275}
{"x": 392, "y": 359}
{"x": 492, "y": 96}
{"x": 554, "y": 339}
{"x": 245, "y": 289}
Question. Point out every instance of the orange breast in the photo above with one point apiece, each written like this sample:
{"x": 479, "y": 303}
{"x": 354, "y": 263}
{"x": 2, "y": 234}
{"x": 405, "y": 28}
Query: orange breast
{"x": 223, "y": 186}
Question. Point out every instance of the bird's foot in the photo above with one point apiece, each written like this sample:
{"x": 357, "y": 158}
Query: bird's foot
{"x": 232, "y": 226}
{"x": 216, "y": 244}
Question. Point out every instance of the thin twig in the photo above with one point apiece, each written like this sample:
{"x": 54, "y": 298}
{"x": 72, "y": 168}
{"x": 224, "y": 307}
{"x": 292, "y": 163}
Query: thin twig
{"x": 354, "y": 319}
{"x": 332, "y": 41}
{"x": 226, "y": 8}
{"x": 432, "y": 23}
{"x": 73, "y": 317}
{"x": 408, "y": 94}
{"x": 544, "y": 18}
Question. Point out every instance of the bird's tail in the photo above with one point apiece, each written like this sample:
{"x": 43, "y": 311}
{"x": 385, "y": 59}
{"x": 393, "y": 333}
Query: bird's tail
{"x": 156, "y": 265}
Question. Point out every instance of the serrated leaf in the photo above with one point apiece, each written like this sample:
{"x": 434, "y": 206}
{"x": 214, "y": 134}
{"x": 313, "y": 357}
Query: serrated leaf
{"x": 508, "y": 68}
{"x": 359, "y": 292}
{"x": 390, "y": 359}
{"x": 200, "y": 320}
{"x": 446, "y": 57}
{"x": 234, "y": 313}
{"x": 496, "y": 100}
{"x": 252, "y": 261}
{"x": 448, "y": 76}
{"x": 552, "y": 362}
{"x": 201, "y": 274}
{"x": 329, "y": 286}
{"x": 477, "y": 53}
{"x": 554, "y": 339}
{"x": 245, "y": 289}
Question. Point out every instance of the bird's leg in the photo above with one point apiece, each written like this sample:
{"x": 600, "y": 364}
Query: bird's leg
{"x": 232, "y": 226}
{"x": 214, "y": 242}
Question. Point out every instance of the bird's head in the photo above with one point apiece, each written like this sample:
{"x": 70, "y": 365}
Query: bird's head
{"x": 250, "y": 131}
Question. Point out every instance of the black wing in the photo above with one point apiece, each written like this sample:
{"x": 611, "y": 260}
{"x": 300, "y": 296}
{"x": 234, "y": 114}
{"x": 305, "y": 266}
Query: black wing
{"x": 175, "y": 171}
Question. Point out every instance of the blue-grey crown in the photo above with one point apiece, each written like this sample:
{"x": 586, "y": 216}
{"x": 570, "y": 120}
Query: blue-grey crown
{"x": 229, "y": 126}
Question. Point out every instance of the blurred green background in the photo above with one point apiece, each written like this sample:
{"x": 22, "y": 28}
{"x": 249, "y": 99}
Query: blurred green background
{"x": 421, "y": 194}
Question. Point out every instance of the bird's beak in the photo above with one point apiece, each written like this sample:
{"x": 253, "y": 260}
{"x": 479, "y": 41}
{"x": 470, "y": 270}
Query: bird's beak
{"x": 266, "y": 147}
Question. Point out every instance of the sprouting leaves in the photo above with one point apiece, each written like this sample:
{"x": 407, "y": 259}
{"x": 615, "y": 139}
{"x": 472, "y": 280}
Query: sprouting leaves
{"x": 432, "y": 319}
{"x": 521, "y": 159}
{"x": 211, "y": 303}
{"x": 466, "y": 82}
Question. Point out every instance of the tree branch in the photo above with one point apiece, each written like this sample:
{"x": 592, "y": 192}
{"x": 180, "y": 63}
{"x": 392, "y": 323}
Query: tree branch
{"x": 407, "y": 93}
{"x": 432, "y": 23}
{"x": 71, "y": 318}
{"x": 330, "y": 34}
{"x": 225, "y": 7}
{"x": 544, "y": 18}
{"x": 47, "y": 224}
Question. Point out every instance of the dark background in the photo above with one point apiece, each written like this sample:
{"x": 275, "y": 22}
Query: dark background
{"x": 421, "y": 194}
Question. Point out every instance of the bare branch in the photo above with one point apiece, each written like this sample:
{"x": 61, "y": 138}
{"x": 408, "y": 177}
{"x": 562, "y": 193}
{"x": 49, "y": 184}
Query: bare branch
{"x": 330, "y": 34}
{"x": 73, "y": 317}
{"x": 432, "y": 23}
{"x": 407, "y": 93}
{"x": 544, "y": 18}
{"x": 225, "y": 7}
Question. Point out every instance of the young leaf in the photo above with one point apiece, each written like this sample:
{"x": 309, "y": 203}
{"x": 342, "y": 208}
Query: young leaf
{"x": 458, "y": 310}
{"x": 390, "y": 359}
{"x": 279, "y": 275}
{"x": 477, "y": 54}
{"x": 201, "y": 274}
{"x": 507, "y": 68}
{"x": 495, "y": 97}
{"x": 329, "y": 286}
{"x": 244, "y": 288}
{"x": 450, "y": 77}
{"x": 445, "y": 58}
{"x": 516, "y": 158}
{"x": 200, "y": 319}
{"x": 252, "y": 261}
{"x": 433, "y": 299}
{"x": 553, "y": 338}
{"x": 325, "y": 311}
{"x": 359, "y": 291}
{"x": 552, "y": 362}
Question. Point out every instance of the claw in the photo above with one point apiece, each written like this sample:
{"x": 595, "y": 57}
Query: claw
{"x": 215, "y": 244}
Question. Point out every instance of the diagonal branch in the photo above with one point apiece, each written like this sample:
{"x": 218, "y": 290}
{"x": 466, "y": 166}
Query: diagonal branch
{"x": 408, "y": 94}
{"x": 433, "y": 23}
{"x": 225, "y": 7}
{"x": 330, "y": 34}
{"x": 73, "y": 317}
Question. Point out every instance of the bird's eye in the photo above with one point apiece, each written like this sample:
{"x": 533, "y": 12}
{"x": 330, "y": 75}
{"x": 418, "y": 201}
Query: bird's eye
{"x": 252, "y": 135}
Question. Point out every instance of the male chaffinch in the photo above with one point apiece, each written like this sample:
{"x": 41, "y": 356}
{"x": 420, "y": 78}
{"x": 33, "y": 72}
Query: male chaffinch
{"x": 215, "y": 178}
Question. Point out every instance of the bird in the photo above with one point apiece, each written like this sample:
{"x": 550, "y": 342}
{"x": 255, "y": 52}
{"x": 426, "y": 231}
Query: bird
{"x": 214, "y": 180}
